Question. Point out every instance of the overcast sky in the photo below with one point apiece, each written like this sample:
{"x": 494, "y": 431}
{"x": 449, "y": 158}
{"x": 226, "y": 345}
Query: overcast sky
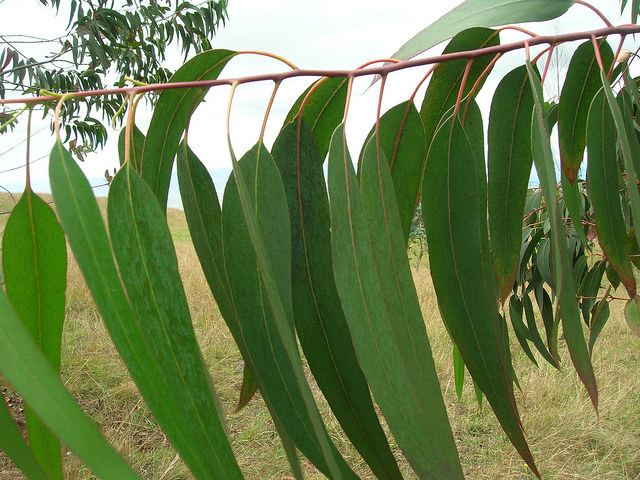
{"x": 320, "y": 34}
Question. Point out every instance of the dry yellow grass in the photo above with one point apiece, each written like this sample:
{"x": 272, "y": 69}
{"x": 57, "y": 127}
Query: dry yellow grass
{"x": 568, "y": 439}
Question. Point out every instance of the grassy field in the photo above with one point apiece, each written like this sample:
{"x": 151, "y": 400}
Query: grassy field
{"x": 568, "y": 439}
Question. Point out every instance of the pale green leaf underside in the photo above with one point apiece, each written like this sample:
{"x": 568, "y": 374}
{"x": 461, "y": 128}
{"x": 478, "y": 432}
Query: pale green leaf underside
{"x": 481, "y": 13}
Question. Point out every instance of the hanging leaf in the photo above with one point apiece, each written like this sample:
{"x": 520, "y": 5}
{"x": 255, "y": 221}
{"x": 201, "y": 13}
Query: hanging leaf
{"x": 319, "y": 318}
{"x": 519, "y": 328}
{"x": 481, "y": 13}
{"x": 382, "y": 318}
{"x": 323, "y": 111}
{"x": 580, "y": 86}
{"x": 148, "y": 266}
{"x": 599, "y": 319}
{"x": 170, "y": 118}
{"x": 401, "y": 137}
{"x": 534, "y": 334}
{"x": 16, "y": 448}
{"x": 509, "y": 165}
{"x": 22, "y": 363}
{"x": 272, "y": 346}
{"x": 137, "y": 144}
{"x": 572, "y": 196}
{"x": 34, "y": 262}
{"x": 562, "y": 268}
{"x": 204, "y": 217}
{"x": 455, "y": 215}
{"x": 82, "y": 222}
{"x": 602, "y": 176}
{"x": 458, "y": 371}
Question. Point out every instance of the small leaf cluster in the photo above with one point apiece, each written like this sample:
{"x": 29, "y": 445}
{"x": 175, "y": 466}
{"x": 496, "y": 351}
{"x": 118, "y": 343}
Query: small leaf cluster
{"x": 128, "y": 39}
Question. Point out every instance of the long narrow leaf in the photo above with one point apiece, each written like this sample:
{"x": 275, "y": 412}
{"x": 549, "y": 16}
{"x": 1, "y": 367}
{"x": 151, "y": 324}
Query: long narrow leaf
{"x": 149, "y": 269}
{"x": 32, "y": 375}
{"x": 261, "y": 293}
{"x": 481, "y": 13}
{"x": 455, "y": 215}
{"x": 562, "y": 269}
{"x": 83, "y": 224}
{"x": 509, "y": 169}
{"x": 34, "y": 262}
{"x": 319, "y": 318}
{"x": 388, "y": 362}
{"x": 170, "y": 118}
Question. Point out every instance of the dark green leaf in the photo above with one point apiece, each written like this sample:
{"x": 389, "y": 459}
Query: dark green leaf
{"x": 261, "y": 293}
{"x": 534, "y": 333}
{"x": 600, "y": 316}
{"x": 481, "y": 13}
{"x": 34, "y": 262}
{"x": 247, "y": 391}
{"x": 444, "y": 87}
{"x": 602, "y": 176}
{"x": 319, "y": 318}
{"x": 22, "y": 363}
{"x": 509, "y": 164}
{"x": 82, "y": 221}
{"x": 148, "y": 266}
{"x": 458, "y": 371}
{"x": 519, "y": 328}
{"x": 455, "y": 215}
{"x": 380, "y": 307}
{"x": 579, "y": 88}
{"x": 562, "y": 268}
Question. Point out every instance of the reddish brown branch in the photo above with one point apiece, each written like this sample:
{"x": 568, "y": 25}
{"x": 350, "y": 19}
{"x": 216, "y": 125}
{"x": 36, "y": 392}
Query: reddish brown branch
{"x": 381, "y": 70}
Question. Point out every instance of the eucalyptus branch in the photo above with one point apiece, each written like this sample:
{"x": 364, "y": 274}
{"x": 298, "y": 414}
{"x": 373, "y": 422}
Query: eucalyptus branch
{"x": 378, "y": 70}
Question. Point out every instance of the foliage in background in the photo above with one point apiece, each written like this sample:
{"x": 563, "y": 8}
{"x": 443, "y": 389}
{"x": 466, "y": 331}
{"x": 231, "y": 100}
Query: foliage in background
{"x": 106, "y": 44}
{"x": 294, "y": 256}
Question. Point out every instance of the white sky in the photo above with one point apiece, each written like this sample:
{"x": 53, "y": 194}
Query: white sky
{"x": 321, "y": 34}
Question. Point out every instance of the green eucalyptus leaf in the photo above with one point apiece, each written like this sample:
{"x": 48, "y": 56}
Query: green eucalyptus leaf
{"x": 22, "y": 363}
{"x": 322, "y": 328}
{"x": 455, "y": 215}
{"x": 509, "y": 169}
{"x": 632, "y": 316}
{"x": 388, "y": 361}
{"x": 481, "y": 13}
{"x": 580, "y": 86}
{"x": 323, "y": 110}
{"x": 148, "y": 266}
{"x": 34, "y": 261}
{"x": 261, "y": 293}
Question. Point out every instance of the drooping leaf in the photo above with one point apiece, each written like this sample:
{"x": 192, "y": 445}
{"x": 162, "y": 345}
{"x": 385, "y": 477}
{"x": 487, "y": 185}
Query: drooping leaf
{"x": 263, "y": 301}
{"x": 455, "y": 215}
{"x": 580, "y": 86}
{"x": 602, "y": 176}
{"x": 170, "y": 118}
{"x": 458, "y": 370}
{"x": 562, "y": 268}
{"x": 16, "y": 448}
{"x": 247, "y": 391}
{"x": 22, "y": 363}
{"x": 402, "y": 138}
{"x": 589, "y": 289}
{"x": 632, "y": 316}
{"x": 323, "y": 111}
{"x": 481, "y": 13}
{"x": 204, "y": 217}
{"x": 387, "y": 361}
{"x": 82, "y": 222}
{"x": 34, "y": 262}
{"x": 627, "y": 137}
{"x": 148, "y": 266}
{"x": 509, "y": 165}
{"x": 319, "y": 318}
{"x": 551, "y": 323}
